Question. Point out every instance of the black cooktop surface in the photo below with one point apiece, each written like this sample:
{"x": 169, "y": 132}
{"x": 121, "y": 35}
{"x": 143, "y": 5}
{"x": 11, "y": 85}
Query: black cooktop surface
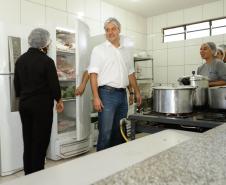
{"x": 202, "y": 118}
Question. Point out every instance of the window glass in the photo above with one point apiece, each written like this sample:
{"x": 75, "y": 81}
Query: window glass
{"x": 199, "y": 26}
{"x": 197, "y": 34}
{"x": 218, "y": 31}
{"x": 174, "y": 30}
{"x": 172, "y": 38}
{"x": 219, "y": 23}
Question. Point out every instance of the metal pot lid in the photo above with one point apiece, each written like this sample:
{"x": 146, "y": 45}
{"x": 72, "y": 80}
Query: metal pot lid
{"x": 195, "y": 77}
{"x": 182, "y": 87}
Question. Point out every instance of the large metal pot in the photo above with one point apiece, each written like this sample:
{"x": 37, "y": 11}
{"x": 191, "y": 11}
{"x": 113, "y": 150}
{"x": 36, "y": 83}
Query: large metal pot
{"x": 201, "y": 83}
{"x": 217, "y": 97}
{"x": 174, "y": 100}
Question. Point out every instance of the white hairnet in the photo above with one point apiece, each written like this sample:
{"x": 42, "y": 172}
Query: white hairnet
{"x": 212, "y": 47}
{"x": 39, "y": 38}
{"x": 222, "y": 52}
{"x": 113, "y": 21}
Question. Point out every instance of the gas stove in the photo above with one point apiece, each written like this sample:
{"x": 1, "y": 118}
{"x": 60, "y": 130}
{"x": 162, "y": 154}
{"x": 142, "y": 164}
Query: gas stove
{"x": 198, "y": 121}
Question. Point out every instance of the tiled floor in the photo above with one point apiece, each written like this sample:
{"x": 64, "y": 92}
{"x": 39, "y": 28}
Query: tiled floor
{"x": 49, "y": 163}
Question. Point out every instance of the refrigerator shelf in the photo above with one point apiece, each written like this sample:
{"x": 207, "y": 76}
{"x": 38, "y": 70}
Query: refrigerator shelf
{"x": 67, "y": 80}
{"x": 68, "y": 52}
{"x": 68, "y": 99}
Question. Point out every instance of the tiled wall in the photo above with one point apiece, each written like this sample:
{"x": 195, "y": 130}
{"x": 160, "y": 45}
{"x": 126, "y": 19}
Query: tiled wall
{"x": 173, "y": 60}
{"x": 63, "y": 13}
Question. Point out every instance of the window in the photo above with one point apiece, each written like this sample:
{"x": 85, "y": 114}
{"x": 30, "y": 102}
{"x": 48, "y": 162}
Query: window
{"x": 219, "y": 26}
{"x": 174, "y": 34}
{"x": 196, "y": 30}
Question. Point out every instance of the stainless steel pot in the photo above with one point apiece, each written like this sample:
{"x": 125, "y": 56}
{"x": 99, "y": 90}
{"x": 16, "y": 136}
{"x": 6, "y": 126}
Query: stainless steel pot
{"x": 201, "y": 83}
{"x": 174, "y": 100}
{"x": 217, "y": 97}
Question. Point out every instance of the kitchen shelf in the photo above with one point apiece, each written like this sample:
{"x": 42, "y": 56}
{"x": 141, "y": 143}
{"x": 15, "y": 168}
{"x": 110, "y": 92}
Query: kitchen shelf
{"x": 68, "y": 99}
{"x": 148, "y": 59}
{"x": 144, "y": 78}
{"x": 71, "y": 52}
{"x": 137, "y": 59}
{"x": 70, "y": 80}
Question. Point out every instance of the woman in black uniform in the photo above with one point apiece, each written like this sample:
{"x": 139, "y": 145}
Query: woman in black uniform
{"x": 36, "y": 84}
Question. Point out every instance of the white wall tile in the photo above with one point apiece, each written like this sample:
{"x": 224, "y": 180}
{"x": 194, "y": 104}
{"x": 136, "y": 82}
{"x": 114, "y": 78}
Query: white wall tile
{"x": 38, "y": 1}
{"x": 131, "y": 21}
{"x": 192, "y": 55}
{"x": 141, "y": 24}
{"x": 159, "y": 22}
{"x": 150, "y": 42}
{"x": 224, "y": 2}
{"x": 176, "y": 44}
{"x": 193, "y": 14}
{"x": 160, "y": 57}
{"x": 175, "y": 18}
{"x": 158, "y": 41}
{"x": 175, "y": 72}
{"x": 150, "y": 25}
{"x": 213, "y": 10}
{"x": 94, "y": 26}
{"x": 10, "y": 11}
{"x": 72, "y": 18}
{"x": 76, "y": 6}
{"x": 190, "y": 68}
{"x": 37, "y": 11}
{"x": 176, "y": 56}
{"x": 215, "y": 39}
{"x": 193, "y": 42}
{"x": 107, "y": 10}
{"x": 56, "y": 17}
{"x": 59, "y": 4}
{"x": 121, "y": 15}
{"x": 93, "y": 9}
{"x": 150, "y": 53}
{"x": 140, "y": 40}
{"x": 160, "y": 75}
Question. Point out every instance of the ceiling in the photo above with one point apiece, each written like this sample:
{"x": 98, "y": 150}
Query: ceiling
{"x": 148, "y": 8}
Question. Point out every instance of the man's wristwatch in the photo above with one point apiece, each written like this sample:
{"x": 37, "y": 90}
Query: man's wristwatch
{"x": 131, "y": 93}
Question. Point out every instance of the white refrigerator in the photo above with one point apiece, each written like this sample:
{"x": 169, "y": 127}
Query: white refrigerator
{"x": 13, "y": 42}
{"x": 71, "y": 129}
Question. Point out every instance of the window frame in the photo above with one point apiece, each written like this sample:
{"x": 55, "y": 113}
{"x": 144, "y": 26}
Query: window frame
{"x": 210, "y": 28}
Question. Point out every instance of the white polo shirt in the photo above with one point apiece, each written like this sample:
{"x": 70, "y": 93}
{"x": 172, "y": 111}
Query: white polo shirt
{"x": 113, "y": 65}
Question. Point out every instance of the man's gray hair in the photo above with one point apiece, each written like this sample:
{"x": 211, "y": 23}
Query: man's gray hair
{"x": 113, "y": 21}
{"x": 213, "y": 47}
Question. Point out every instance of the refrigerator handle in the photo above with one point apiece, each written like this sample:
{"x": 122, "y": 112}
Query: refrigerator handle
{"x": 14, "y": 101}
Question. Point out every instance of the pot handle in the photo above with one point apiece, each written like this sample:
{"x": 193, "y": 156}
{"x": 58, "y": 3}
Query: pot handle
{"x": 184, "y": 126}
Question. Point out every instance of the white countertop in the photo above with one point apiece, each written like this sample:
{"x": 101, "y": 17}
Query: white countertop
{"x": 99, "y": 165}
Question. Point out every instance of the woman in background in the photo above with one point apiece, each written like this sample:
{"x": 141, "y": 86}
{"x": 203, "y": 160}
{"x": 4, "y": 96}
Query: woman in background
{"x": 214, "y": 69}
{"x": 36, "y": 84}
{"x": 220, "y": 53}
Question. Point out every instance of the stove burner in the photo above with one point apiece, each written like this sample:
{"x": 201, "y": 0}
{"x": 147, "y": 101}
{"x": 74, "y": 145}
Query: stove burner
{"x": 179, "y": 115}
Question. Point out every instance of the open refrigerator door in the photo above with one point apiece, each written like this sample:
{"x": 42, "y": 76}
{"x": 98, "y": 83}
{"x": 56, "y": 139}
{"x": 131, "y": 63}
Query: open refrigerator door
{"x": 71, "y": 128}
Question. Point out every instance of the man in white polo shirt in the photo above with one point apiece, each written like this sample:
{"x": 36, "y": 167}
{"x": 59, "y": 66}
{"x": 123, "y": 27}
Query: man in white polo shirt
{"x": 111, "y": 70}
